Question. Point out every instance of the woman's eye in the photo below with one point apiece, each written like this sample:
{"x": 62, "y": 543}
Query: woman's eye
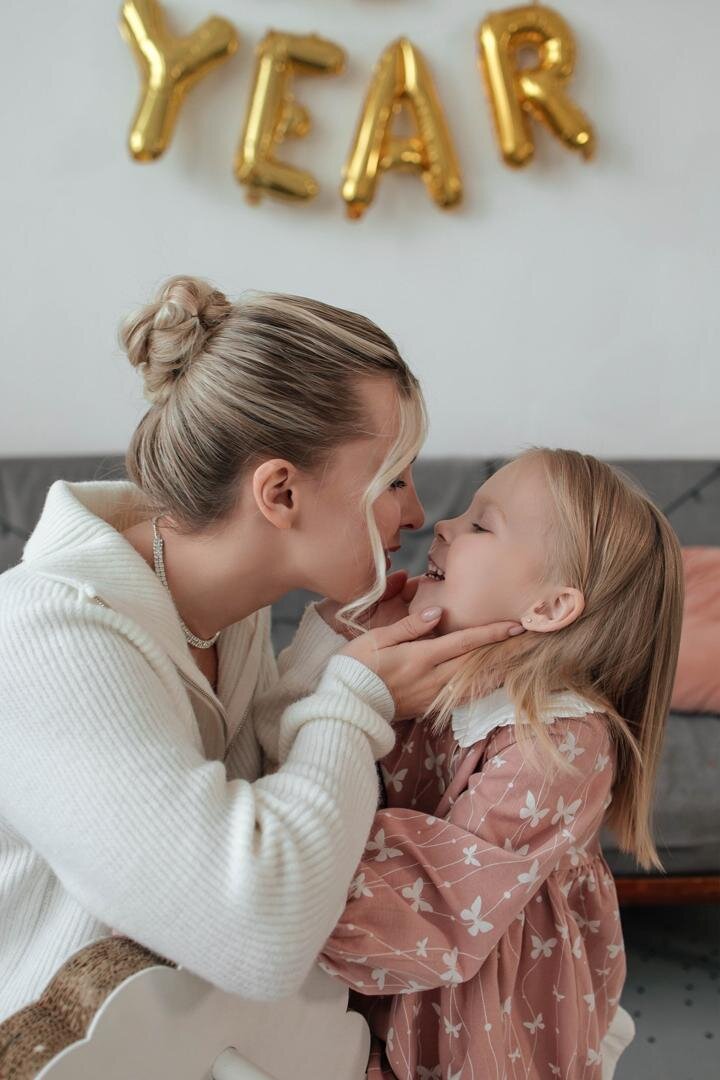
{"x": 396, "y": 484}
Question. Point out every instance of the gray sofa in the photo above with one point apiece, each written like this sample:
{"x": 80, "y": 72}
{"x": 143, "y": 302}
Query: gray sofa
{"x": 687, "y": 811}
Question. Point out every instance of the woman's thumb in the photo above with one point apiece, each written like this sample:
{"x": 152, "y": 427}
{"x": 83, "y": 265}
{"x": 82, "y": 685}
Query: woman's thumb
{"x": 411, "y": 587}
{"x": 408, "y": 628}
{"x": 394, "y": 585}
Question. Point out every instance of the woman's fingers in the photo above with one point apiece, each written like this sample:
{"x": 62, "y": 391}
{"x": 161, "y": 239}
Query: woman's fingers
{"x": 394, "y": 585}
{"x": 384, "y": 637}
{"x": 408, "y": 628}
{"x": 446, "y": 672}
{"x": 464, "y": 641}
{"x": 418, "y": 698}
{"x": 413, "y": 669}
{"x": 411, "y": 587}
{"x": 387, "y": 613}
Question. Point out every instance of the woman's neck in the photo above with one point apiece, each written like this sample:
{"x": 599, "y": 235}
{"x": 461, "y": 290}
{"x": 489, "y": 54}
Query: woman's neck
{"x": 215, "y": 579}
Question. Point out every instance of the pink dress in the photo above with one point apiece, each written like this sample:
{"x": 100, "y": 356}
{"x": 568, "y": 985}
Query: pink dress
{"x": 483, "y": 921}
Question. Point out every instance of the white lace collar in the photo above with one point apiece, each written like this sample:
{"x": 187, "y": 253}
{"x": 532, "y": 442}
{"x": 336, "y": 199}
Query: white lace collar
{"x": 471, "y": 723}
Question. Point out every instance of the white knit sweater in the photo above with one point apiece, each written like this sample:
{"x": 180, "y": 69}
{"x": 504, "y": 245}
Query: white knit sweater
{"x": 132, "y": 796}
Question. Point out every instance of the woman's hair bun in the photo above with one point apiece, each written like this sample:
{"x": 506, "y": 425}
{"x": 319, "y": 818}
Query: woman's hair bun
{"x": 164, "y": 337}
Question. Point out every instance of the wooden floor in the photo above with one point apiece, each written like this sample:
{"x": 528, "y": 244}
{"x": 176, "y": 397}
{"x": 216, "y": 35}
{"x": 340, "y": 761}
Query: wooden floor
{"x": 673, "y": 889}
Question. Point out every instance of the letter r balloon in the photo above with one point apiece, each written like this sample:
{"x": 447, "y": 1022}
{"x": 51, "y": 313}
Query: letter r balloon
{"x": 516, "y": 93}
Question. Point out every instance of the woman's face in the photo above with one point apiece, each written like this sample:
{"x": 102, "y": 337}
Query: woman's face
{"x": 489, "y": 564}
{"x": 336, "y": 555}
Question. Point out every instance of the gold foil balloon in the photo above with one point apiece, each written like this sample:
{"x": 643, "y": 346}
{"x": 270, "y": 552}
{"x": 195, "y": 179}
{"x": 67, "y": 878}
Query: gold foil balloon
{"x": 401, "y": 78}
{"x": 273, "y": 114}
{"x": 517, "y": 93}
{"x": 169, "y": 67}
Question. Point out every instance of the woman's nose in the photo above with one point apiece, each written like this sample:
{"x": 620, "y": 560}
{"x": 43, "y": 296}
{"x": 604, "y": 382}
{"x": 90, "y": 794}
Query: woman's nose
{"x": 413, "y": 513}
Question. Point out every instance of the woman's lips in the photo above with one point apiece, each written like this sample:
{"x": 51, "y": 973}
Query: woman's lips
{"x": 388, "y": 551}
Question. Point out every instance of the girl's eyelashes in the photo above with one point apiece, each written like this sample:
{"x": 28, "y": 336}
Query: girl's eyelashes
{"x": 479, "y": 528}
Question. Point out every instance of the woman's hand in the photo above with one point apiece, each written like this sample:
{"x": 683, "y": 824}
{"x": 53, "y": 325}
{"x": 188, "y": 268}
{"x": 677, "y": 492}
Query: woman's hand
{"x": 395, "y": 603}
{"x": 413, "y": 670}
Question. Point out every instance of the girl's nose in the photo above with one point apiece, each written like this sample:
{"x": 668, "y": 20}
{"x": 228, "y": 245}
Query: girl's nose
{"x": 442, "y": 531}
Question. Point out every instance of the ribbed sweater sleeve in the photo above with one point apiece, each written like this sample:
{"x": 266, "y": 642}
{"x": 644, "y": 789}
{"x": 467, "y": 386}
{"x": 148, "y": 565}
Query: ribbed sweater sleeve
{"x": 300, "y": 668}
{"x": 100, "y": 772}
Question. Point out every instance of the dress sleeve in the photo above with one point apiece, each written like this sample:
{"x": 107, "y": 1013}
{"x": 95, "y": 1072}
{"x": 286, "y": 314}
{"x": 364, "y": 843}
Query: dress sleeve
{"x": 432, "y": 897}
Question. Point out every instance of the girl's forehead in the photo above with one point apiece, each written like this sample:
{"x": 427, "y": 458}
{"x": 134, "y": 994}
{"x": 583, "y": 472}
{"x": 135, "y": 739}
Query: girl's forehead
{"x": 483, "y": 500}
{"x": 500, "y": 483}
{"x": 518, "y": 489}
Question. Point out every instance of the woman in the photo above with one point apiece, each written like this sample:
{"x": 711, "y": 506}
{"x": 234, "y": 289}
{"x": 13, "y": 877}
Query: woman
{"x": 134, "y": 649}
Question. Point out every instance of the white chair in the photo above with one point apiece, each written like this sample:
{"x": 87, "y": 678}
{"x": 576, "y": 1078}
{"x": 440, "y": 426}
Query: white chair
{"x": 163, "y": 1022}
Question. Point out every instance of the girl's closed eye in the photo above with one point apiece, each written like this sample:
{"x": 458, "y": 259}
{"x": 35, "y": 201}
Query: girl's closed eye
{"x": 480, "y": 528}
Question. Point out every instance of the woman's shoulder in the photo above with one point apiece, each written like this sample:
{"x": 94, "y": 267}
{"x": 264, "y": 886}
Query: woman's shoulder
{"x": 24, "y": 589}
{"x": 61, "y": 615}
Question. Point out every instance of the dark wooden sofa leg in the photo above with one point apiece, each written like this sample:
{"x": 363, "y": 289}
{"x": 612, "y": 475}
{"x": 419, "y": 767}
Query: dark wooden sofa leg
{"x": 693, "y": 889}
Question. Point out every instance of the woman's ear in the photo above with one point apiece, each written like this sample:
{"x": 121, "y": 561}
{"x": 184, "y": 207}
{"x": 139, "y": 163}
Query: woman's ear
{"x": 274, "y": 488}
{"x": 560, "y": 608}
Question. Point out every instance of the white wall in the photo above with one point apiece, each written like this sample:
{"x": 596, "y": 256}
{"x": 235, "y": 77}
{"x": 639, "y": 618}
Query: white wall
{"x": 571, "y": 304}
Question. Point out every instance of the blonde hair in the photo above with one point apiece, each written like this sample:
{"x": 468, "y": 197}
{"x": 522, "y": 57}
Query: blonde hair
{"x": 615, "y": 546}
{"x": 272, "y": 375}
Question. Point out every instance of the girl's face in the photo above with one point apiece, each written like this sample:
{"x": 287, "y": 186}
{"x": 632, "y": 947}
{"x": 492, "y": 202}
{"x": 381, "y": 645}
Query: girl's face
{"x": 336, "y": 525}
{"x": 489, "y": 564}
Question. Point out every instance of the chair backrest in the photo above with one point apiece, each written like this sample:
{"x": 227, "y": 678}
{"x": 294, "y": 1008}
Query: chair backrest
{"x": 116, "y": 1010}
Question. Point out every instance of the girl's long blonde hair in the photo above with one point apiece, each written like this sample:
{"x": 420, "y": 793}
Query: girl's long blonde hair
{"x": 615, "y": 546}
{"x": 271, "y": 375}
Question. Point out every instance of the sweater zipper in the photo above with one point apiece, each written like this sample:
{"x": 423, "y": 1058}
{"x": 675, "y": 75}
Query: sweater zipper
{"x": 212, "y": 702}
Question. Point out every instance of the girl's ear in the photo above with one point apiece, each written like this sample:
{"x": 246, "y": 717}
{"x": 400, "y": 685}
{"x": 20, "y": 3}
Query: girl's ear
{"x": 274, "y": 488}
{"x": 558, "y": 609}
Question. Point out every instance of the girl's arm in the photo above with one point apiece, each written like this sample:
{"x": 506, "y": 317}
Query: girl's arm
{"x": 432, "y": 897}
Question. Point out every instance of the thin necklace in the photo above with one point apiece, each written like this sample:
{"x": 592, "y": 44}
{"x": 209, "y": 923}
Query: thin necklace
{"x": 158, "y": 544}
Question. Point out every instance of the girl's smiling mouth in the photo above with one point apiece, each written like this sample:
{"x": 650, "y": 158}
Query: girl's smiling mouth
{"x": 433, "y": 572}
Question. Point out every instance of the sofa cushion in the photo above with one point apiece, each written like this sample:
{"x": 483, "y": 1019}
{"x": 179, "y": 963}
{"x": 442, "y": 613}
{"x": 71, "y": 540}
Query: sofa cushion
{"x": 697, "y": 686}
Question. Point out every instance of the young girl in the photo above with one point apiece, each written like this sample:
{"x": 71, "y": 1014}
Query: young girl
{"x": 483, "y": 923}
